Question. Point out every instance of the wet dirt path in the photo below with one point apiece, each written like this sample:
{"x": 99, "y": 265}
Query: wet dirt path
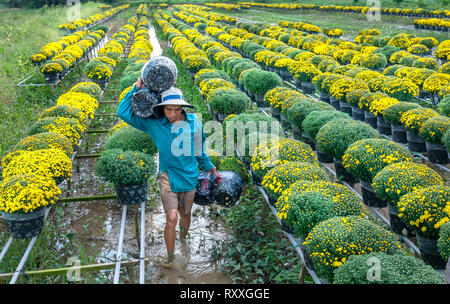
{"x": 96, "y": 224}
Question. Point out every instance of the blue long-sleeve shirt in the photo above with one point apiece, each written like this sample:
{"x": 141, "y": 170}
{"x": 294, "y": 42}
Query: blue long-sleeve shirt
{"x": 180, "y": 145}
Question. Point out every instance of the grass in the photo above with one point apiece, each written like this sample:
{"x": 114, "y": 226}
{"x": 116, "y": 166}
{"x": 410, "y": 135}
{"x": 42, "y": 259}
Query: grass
{"x": 19, "y": 38}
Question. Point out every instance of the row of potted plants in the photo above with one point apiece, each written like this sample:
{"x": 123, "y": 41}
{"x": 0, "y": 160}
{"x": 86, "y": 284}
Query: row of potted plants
{"x": 86, "y": 23}
{"x": 277, "y": 175}
{"x": 435, "y": 24}
{"x": 393, "y": 89}
{"x": 419, "y": 12}
{"x": 200, "y": 11}
{"x": 101, "y": 68}
{"x": 37, "y": 164}
{"x": 59, "y": 65}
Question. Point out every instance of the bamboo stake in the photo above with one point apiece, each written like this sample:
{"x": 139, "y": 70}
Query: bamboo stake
{"x": 65, "y": 270}
{"x": 88, "y": 198}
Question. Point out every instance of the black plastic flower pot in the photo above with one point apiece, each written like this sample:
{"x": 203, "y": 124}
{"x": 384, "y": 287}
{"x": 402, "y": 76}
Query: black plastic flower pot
{"x": 285, "y": 227}
{"x": 296, "y": 133}
{"x": 308, "y": 140}
{"x": 415, "y": 142}
{"x": 308, "y": 87}
{"x": 343, "y": 174}
{"x": 399, "y": 134}
{"x": 436, "y": 153}
{"x": 131, "y": 194}
{"x": 285, "y": 75}
{"x": 259, "y": 99}
{"x": 335, "y": 103}
{"x": 383, "y": 127}
{"x": 345, "y": 107}
{"x": 25, "y": 225}
{"x": 324, "y": 97}
{"x": 221, "y": 117}
{"x": 285, "y": 123}
{"x": 357, "y": 113}
{"x": 370, "y": 119}
{"x": 51, "y": 78}
{"x": 256, "y": 180}
{"x": 324, "y": 157}
{"x": 396, "y": 224}
{"x": 430, "y": 253}
{"x": 272, "y": 200}
{"x": 369, "y": 196}
{"x": 275, "y": 114}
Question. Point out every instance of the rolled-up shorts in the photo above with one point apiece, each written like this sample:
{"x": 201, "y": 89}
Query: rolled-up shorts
{"x": 174, "y": 200}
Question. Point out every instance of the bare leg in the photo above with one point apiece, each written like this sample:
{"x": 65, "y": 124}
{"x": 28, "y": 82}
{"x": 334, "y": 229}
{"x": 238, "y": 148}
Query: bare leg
{"x": 185, "y": 223}
{"x": 169, "y": 232}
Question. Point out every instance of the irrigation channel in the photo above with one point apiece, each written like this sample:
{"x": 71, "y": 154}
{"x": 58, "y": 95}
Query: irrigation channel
{"x": 120, "y": 236}
{"x": 380, "y": 214}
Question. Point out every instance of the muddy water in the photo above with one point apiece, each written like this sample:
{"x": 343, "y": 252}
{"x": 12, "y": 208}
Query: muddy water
{"x": 96, "y": 225}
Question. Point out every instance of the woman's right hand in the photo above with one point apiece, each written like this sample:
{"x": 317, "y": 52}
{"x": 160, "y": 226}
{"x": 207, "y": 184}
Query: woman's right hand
{"x": 139, "y": 83}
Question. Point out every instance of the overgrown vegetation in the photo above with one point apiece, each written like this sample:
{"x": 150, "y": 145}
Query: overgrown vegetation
{"x": 257, "y": 251}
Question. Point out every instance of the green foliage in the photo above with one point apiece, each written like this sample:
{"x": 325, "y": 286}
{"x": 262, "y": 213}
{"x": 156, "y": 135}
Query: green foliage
{"x": 346, "y": 236}
{"x": 125, "y": 167}
{"x": 365, "y": 158}
{"x": 229, "y": 101}
{"x": 46, "y": 140}
{"x": 256, "y": 252}
{"x": 129, "y": 138}
{"x": 398, "y": 179}
{"x": 387, "y": 51}
{"x": 298, "y": 112}
{"x": 444, "y": 241}
{"x": 446, "y": 140}
{"x": 335, "y": 136}
{"x": 235, "y": 165}
{"x": 259, "y": 81}
{"x": 434, "y": 129}
{"x": 213, "y": 74}
{"x": 90, "y": 88}
{"x": 444, "y": 106}
{"x": 393, "y": 113}
{"x": 306, "y": 210}
{"x": 129, "y": 79}
{"x": 394, "y": 269}
{"x": 64, "y": 111}
{"x": 133, "y": 67}
{"x": 316, "y": 119}
{"x": 242, "y": 66}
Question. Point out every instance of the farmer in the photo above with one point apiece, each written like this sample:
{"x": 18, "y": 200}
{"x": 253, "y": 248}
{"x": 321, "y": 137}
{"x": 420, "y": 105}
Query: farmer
{"x": 178, "y": 170}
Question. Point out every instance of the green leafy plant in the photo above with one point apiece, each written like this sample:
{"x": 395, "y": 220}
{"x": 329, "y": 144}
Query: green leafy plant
{"x": 129, "y": 80}
{"x": 365, "y": 158}
{"x": 200, "y": 76}
{"x": 297, "y": 113}
{"x": 394, "y": 269}
{"x": 129, "y": 138}
{"x": 281, "y": 177}
{"x": 444, "y": 241}
{"x": 395, "y": 180}
{"x": 444, "y": 106}
{"x": 316, "y": 119}
{"x": 125, "y": 167}
{"x": 259, "y": 81}
{"x": 393, "y": 113}
{"x": 346, "y": 236}
{"x": 434, "y": 129}
{"x": 306, "y": 210}
{"x": 336, "y": 135}
{"x": 271, "y": 154}
{"x": 425, "y": 209}
{"x": 234, "y": 164}
{"x": 230, "y": 101}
